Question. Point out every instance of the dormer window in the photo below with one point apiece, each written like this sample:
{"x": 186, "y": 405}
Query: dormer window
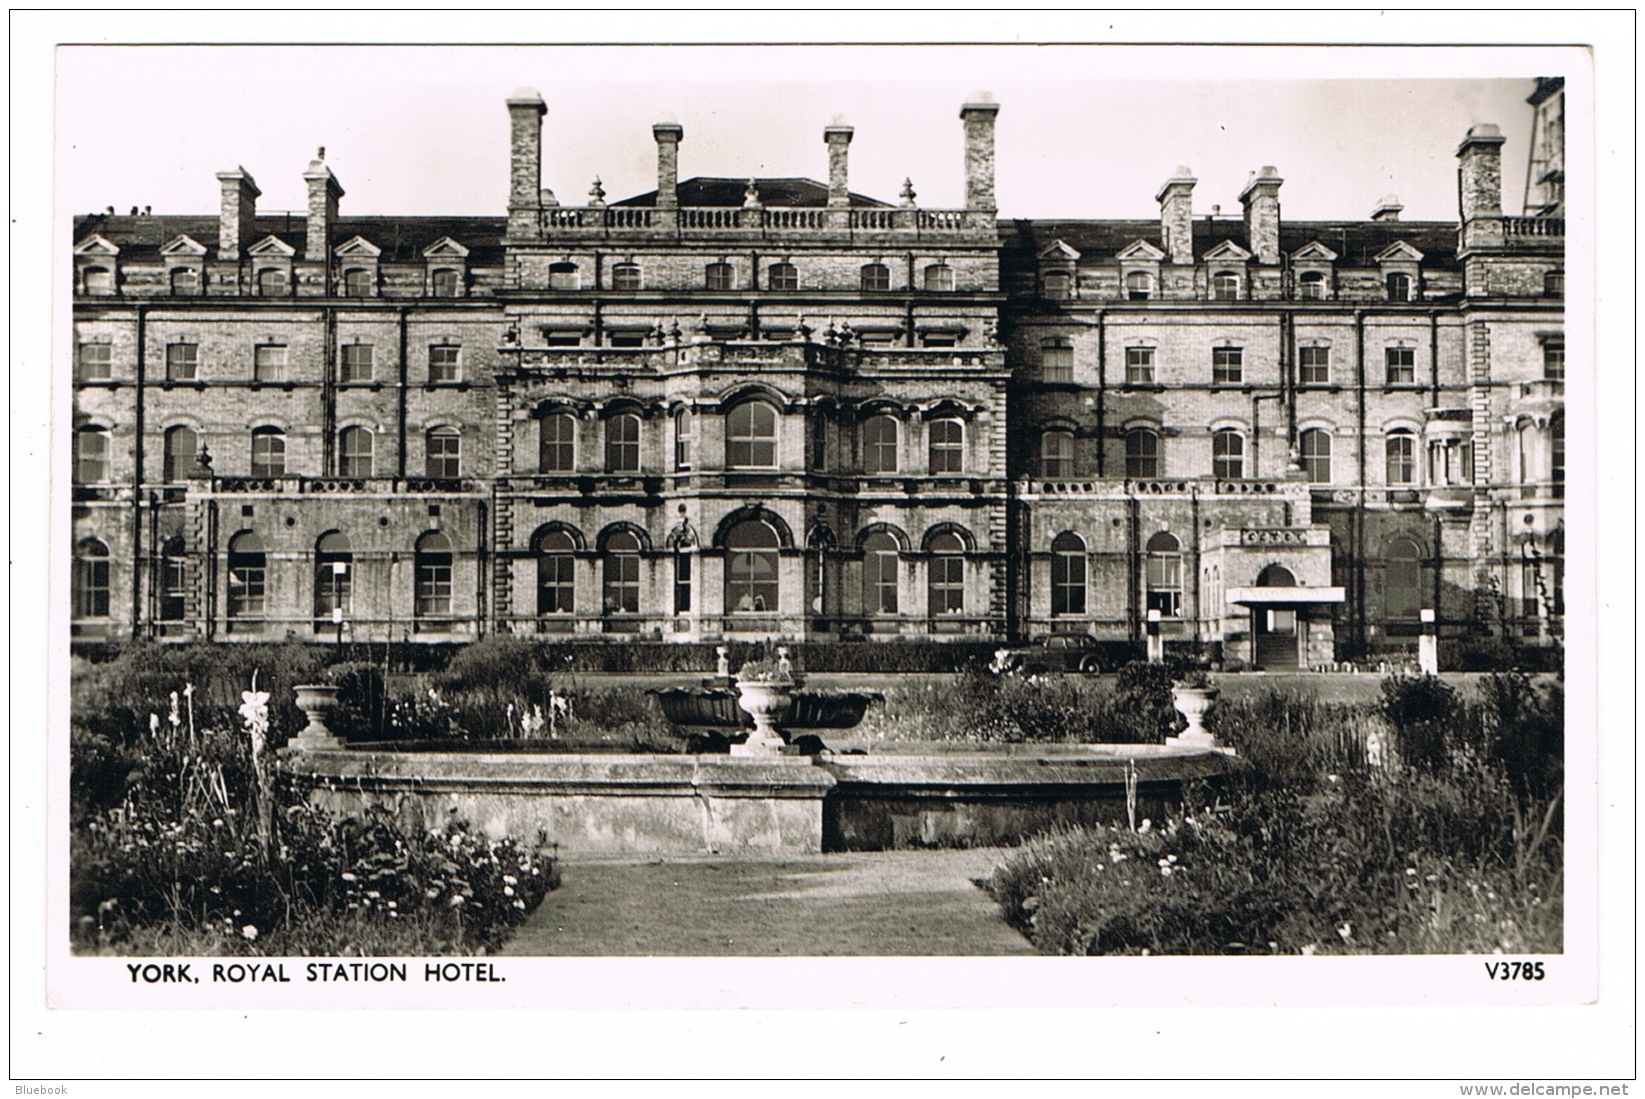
{"x": 1311, "y": 286}
{"x": 564, "y": 276}
{"x": 357, "y": 283}
{"x": 939, "y": 276}
{"x": 1059, "y": 286}
{"x": 1139, "y": 286}
{"x": 185, "y": 282}
{"x": 97, "y": 280}
{"x": 1225, "y": 286}
{"x": 1399, "y": 286}
{"x": 1553, "y": 284}
{"x": 444, "y": 283}
{"x": 271, "y": 283}
{"x": 782, "y": 276}
{"x": 718, "y": 276}
{"x": 625, "y": 276}
{"x": 876, "y": 277}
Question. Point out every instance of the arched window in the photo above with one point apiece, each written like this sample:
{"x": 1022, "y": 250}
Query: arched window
{"x": 354, "y": 448}
{"x": 939, "y": 276}
{"x": 1276, "y": 576}
{"x": 751, "y": 567}
{"x": 268, "y": 452}
{"x": 247, "y": 577}
{"x": 1141, "y": 453}
{"x": 879, "y": 445}
{"x": 333, "y": 579}
{"x": 271, "y": 283}
{"x": 1067, "y": 574}
{"x": 91, "y": 579}
{"x": 1227, "y": 455}
{"x": 1524, "y": 455}
{"x": 622, "y": 443}
{"x": 185, "y": 282}
{"x": 946, "y": 440}
{"x": 173, "y": 584}
{"x": 443, "y": 453}
{"x": 181, "y": 447}
{"x": 620, "y": 588}
{"x": 1164, "y": 580}
{"x": 751, "y": 436}
{"x": 880, "y": 560}
{"x": 946, "y": 578}
{"x": 1057, "y": 359}
{"x": 1399, "y": 286}
{"x": 625, "y": 276}
{"x": 1057, "y": 454}
{"x": 444, "y": 282}
{"x": 876, "y": 276}
{"x": 1311, "y": 286}
{"x": 91, "y": 455}
{"x": 719, "y": 276}
{"x": 433, "y": 598}
{"x": 1225, "y": 286}
{"x": 1553, "y": 284}
{"x": 556, "y": 573}
{"x": 685, "y": 433}
{"x": 1058, "y": 286}
{"x": 557, "y": 443}
{"x": 1315, "y": 446}
{"x": 1403, "y": 585}
{"x": 782, "y": 276}
{"x": 1401, "y": 451}
{"x": 357, "y": 282}
{"x": 1139, "y": 286}
{"x": 97, "y": 280}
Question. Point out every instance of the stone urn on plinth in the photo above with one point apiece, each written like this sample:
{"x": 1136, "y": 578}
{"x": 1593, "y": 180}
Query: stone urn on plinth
{"x": 1193, "y": 696}
{"x": 316, "y": 700}
{"x": 765, "y": 690}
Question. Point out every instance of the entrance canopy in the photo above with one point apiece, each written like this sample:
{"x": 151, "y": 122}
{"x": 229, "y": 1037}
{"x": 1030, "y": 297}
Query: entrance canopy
{"x": 1270, "y": 597}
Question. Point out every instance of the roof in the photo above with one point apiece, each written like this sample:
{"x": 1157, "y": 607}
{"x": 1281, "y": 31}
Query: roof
{"x": 1356, "y": 243}
{"x": 402, "y": 239}
{"x": 723, "y": 191}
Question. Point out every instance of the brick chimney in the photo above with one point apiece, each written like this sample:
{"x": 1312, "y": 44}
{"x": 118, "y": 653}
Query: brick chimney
{"x": 978, "y": 116}
{"x": 1388, "y": 209}
{"x": 1479, "y": 185}
{"x": 838, "y": 136}
{"x": 1261, "y": 201}
{"x": 1176, "y": 215}
{"x": 668, "y": 135}
{"x": 323, "y": 193}
{"x": 525, "y": 163}
{"x": 239, "y": 209}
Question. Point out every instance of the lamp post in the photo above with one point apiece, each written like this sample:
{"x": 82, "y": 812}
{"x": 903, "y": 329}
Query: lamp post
{"x": 339, "y": 570}
{"x": 1156, "y": 643}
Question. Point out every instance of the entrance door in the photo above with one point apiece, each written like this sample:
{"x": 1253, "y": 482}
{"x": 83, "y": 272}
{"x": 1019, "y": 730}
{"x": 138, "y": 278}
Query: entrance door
{"x": 1276, "y": 635}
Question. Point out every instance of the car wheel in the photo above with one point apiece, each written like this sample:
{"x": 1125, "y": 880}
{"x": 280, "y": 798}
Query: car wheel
{"x": 1091, "y": 665}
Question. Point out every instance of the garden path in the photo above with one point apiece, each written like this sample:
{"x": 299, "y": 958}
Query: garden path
{"x": 888, "y": 903}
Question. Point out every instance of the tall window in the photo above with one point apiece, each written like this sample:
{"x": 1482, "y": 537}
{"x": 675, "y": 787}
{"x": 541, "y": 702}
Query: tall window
{"x": 357, "y": 283}
{"x": 946, "y": 581}
{"x": 876, "y": 276}
{"x": 443, "y": 453}
{"x": 180, "y": 451}
{"x": 879, "y": 445}
{"x": 1139, "y": 286}
{"x": 182, "y": 362}
{"x": 556, "y": 573}
{"x": 247, "y": 576}
{"x": 622, "y": 443}
{"x": 1402, "y": 365}
{"x": 1556, "y": 428}
{"x": 268, "y": 452}
{"x": 939, "y": 276}
{"x": 682, "y": 582}
{"x": 173, "y": 585}
{"x": 1227, "y": 455}
{"x": 433, "y": 597}
{"x": 782, "y": 276}
{"x": 97, "y": 280}
{"x": 718, "y": 276}
{"x": 685, "y": 433}
{"x": 1057, "y": 454}
{"x": 1311, "y": 286}
{"x": 751, "y": 567}
{"x": 1553, "y": 360}
{"x": 751, "y": 436}
{"x": 1315, "y": 446}
{"x": 1141, "y": 453}
{"x": 620, "y": 589}
{"x": 557, "y": 443}
{"x": 1057, "y": 359}
{"x": 1059, "y": 286}
{"x": 96, "y": 362}
{"x": 271, "y": 283}
{"x": 1401, "y": 449}
{"x": 1227, "y": 365}
{"x": 625, "y": 276}
{"x": 445, "y": 363}
{"x": 91, "y": 455}
{"x": 1399, "y": 287}
{"x": 947, "y": 446}
{"x": 1164, "y": 580}
{"x": 445, "y": 282}
{"x": 1139, "y": 366}
{"x": 880, "y": 561}
{"x": 354, "y": 452}
{"x": 268, "y": 362}
{"x": 185, "y": 282}
{"x": 1224, "y": 286}
{"x": 333, "y": 578}
{"x": 1315, "y": 365}
{"x": 358, "y": 362}
{"x": 1403, "y": 579}
{"x": 1067, "y": 574}
{"x": 91, "y": 579}
{"x": 1553, "y": 284}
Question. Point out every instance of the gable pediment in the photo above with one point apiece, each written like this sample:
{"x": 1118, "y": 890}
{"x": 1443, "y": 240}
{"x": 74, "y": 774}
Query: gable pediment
{"x": 358, "y": 248}
{"x": 1059, "y": 250}
{"x": 271, "y": 246}
{"x": 445, "y": 248}
{"x": 97, "y": 245}
{"x": 184, "y": 245}
{"x": 1228, "y": 251}
{"x": 1141, "y": 251}
{"x": 1316, "y": 252}
{"x": 1399, "y": 252}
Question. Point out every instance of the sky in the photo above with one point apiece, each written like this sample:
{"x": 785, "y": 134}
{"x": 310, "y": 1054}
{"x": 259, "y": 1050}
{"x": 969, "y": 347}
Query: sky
{"x": 1083, "y": 132}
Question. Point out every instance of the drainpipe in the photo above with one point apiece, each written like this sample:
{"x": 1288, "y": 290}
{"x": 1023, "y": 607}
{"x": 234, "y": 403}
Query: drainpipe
{"x": 400, "y": 410}
{"x": 1433, "y": 356}
{"x": 137, "y": 478}
{"x": 480, "y": 558}
{"x": 1134, "y": 571}
{"x": 330, "y": 457}
{"x": 1256, "y": 429}
{"x": 1357, "y": 518}
{"x": 1102, "y": 391}
{"x": 209, "y": 563}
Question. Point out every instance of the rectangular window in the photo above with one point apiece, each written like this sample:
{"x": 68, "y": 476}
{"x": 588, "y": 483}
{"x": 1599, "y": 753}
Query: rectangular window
{"x": 96, "y": 362}
{"x": 717, "y": 276}
{"x": 682, "y": 583}
{"x": 1553, "y": 360}
{"x": 938, "y": 339}
{"x": 947, "y": 584}
{"x": 173, "y": 588}
{"x": 628, "y": 339}
{"x": 1139, "y": 366}
{"x": 182, "y": 362}
{"x": 1315, "y": 364}
{"x": 564, "y": 339}
{"x": 358, "y": 365}
{"x": 443, "y": 363}
{"x": 1402, "y": 366}
{"x": 269, "y": 362}
{"x": 1057, "y": 360}
{"x": 1227, "y": 365}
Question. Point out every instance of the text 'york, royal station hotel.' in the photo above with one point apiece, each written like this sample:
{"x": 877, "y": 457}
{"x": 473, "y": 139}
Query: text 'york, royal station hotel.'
{"x": 736, "y": 409}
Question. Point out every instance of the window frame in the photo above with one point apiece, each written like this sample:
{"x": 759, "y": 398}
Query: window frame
{"x": 1139, "y": 286}
{"x": 719, "y": 276}
{"x": 93, "y": 466}
{"x": 356, "y": 452}
{"x": 1400, "y": 286}
{"x": 942, "y": 275}
{"x": 556, "y": 553}
{"x": 445, "y": 363}
{"x": 1227, "y": 366}
{"x": 945, "y": 575}
{"x": 348, "y": 365}
{"x": 874, "y": 278}
{"x": 881, "y": 455}
{"x": 443, "y": 453}
{"x": 1401, "y": 363}
{"x": 434, "y": 572}
{"x": 563, "y": 448}
{"x": 267, "y": 444}
{"x": 627, "y": 276}
{"x": 622, "y": 453}
{"x": 945, "y": 454}
{"x": 782, "y": 277}
{"x": 170, "y": 457}
{"x": 1228, "y": 462}
{"x": 1162, "y": 580}
{"x": 1400, "y": 458}
{"x": 882, "y": 574}
{"x": 746, "y": 447}
{"x": 273, "y": 282}
{"x": 445, "y": 282}
{"x": 102, "y": 361}
{"x": 1225, "y": 286}
{"x": 181, "y": 354}
{"x": 1318, "y": 373}
{"x": 246, "y": 596}
{"x": 1319, "y": 460}
{"x": 1142, "y": 462}
{"x": 1553, "y": 360}
{"x": 1068, "y": 574}
{"x": 1057, "y": 466}
{"x": 1139, "y": 365}
{"x": 92, "y": 590}
{"x": 745, "y": 565}
{"x": 358, "y": 282}
{"x": 1057, "y": 359}
{"x": 270, "y": 362}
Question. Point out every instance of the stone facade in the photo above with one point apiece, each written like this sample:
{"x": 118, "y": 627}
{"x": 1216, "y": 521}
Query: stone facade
{"x": 774, "y": 407}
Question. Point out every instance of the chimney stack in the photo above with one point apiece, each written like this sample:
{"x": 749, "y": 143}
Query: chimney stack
{"x": 525, "y": 163}
{"x": 668, "y": 135}
{"x": 978, "y": 116}
{"x": 1388, "y": 209}
{"x": 1176, "y": 215}
{"x": 239, "y": 209}
{"x": 838, "y": 137}
{"x": 323, "y": 193}
{"x": 1261, "y": 201}
{"x": 1479, "y": 186}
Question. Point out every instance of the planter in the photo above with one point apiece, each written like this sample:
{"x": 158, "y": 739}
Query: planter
{"x": 767, "y": 702}
{"x": 818, "y": 709}
{"x": 712, "y": 709}
{"x": 316, "y": 700}
{"x": 1193, "y": 703}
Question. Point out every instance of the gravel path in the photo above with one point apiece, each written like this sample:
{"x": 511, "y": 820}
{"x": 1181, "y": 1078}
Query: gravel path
{"x": 892, "y": 903}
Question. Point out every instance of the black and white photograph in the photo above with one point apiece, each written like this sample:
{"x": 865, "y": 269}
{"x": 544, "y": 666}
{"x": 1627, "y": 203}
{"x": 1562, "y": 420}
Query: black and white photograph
{"x": 713, "y": 528}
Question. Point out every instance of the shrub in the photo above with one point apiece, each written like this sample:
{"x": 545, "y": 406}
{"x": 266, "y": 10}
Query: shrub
{"x": 1422, "y": 711}
{"x": 1142, "y": 700}
{"x": 361, "y": 712}
{"x": 1524, "y": 729}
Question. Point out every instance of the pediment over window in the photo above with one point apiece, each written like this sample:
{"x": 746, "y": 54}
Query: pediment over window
{"x": 1399, "y": 252}
{"x": 1228, "y": 250}
{"x": 184, "y": 245}
{"x": 445, "y": 247}
{"x": 271, "y": 246}
{"x": 97, "y": 245}
{"x": 1141, "y": 250}
{"x": 1316, "y": 251}
{"x": 357, "y": 248}
{"x": 1059, "y": 250}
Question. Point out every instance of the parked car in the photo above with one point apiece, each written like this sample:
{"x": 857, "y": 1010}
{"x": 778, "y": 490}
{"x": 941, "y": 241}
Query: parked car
{"x": 1070, "y": 652}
